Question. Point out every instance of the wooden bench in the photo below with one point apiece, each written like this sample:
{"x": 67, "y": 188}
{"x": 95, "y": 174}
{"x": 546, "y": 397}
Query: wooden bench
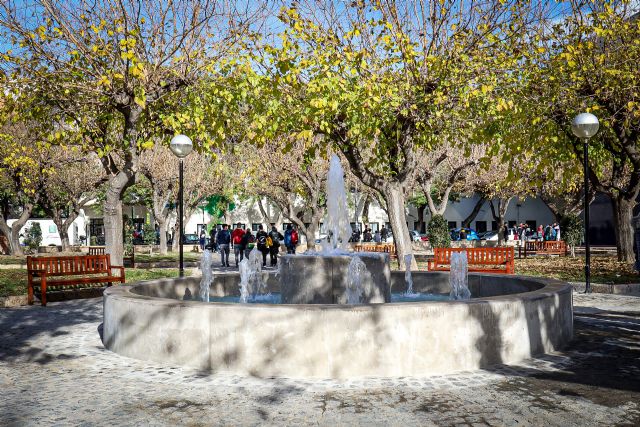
{"x": 549, "y": 247}
{"x": 78, "y": 271}
{"x": 377, "y": 247}
{"x": 485, "y": 260}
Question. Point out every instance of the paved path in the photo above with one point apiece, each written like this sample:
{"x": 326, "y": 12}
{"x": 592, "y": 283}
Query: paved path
{"x": 55, "y": 371}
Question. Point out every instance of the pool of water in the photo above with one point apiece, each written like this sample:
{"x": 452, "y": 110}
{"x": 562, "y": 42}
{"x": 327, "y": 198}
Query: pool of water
{"x": 274, "y": 298}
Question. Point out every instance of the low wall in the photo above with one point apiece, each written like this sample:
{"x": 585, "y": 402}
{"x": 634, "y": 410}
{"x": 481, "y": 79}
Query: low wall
{"x": 338, "y": 341}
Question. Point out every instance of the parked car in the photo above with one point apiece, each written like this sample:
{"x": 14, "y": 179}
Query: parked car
{"x": 489, "y": 235}
{"x": 469, "y": 233}
{"x": 190, "y": 239}
{"x": 418, "y": 237}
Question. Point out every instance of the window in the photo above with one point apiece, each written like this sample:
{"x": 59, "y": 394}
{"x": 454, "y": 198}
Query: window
{"x": 452, "y": 224}
{"x": 254, "y": 227}
{"x": 284, "y": 225}
{"x": 494, "y": 225}
{"x": 53, "y": 228}
{"x": 512, "y": 224}
{"x": 416, "y": 225}
{"x": 354, "y": 224}
{"x": 322, "y": 229}
{"x": 481, "y": 226}
{"x": 532, "y": 224}
{"x": 387, "y": 225}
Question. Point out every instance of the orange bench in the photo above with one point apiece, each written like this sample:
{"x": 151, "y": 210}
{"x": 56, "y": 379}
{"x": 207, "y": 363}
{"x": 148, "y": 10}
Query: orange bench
{"x": 485, "y": 260}
{"x": 377, "y": 247}
{"x": 549, "y": 247}
{"x": 75, "y": 271}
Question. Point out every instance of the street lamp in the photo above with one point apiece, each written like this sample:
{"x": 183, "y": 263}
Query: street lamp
{"x": 585, "y": 126}
{"x": 181, "y": 146}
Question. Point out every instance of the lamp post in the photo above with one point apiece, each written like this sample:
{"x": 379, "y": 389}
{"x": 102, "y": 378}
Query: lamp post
{"x": 181, "y": 146}
{"x": 585, "y": 126}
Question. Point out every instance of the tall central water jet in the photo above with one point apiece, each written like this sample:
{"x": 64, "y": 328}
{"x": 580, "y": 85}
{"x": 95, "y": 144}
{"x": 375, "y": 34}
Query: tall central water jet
{"x": 336, "y": 275}
{"x": 337, "y": 222}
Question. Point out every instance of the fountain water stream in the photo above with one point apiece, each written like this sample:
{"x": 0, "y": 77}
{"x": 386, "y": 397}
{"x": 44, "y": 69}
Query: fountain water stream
{"x": 207, "y": 275}
{"x": 458, "y": 277}
{"x": 337, "y": 222}
{"x": 251, "y": 282}
{"x": 407, "y": 275}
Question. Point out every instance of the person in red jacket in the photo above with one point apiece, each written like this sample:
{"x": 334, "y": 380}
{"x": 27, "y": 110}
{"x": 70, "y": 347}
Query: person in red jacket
{"x": 236, "y": 239}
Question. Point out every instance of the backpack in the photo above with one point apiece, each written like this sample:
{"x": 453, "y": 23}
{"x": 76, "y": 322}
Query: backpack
{"x": 269, "y": 241}
{"x": 262, "y": 240}
{"x": 294, "y": 237}
{"x": 287, "y": 238}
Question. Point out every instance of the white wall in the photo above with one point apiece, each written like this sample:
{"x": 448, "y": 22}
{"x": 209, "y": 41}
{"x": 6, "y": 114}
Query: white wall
{"x": 50, "y": 235}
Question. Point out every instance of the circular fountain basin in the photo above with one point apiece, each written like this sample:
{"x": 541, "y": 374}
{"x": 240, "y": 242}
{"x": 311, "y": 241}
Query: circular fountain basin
{"x": 508, "y": 319}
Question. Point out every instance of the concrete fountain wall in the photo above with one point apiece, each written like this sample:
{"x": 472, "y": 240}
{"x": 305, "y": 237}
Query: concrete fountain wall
{"x": 313, "y": 279}
{"x": 510, "y": 318}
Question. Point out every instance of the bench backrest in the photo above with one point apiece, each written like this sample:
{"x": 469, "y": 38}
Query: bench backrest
{"x": 70, "y": 265}
{"x": 545, "y": 245}
{"x": 96, "y": 250}
{"x": 375, "y": 247}
{"x": 476, "y": 256}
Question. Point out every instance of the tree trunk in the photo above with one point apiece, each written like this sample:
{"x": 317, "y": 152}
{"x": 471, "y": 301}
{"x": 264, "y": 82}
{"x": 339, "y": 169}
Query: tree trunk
{"x": 395, "y": 198}
{"x": 498, "y": 216}
{"x": 466, "y": 223}
{"x": 421, "y": 223}
{"x": 162, "y": 226}
{"x": 113, "y": 226}
{"x": 13, "y": 232}
{"x": 175, "y": 245}
{"x": 365, "y": 211}
{"x": 622, "y": 220}
{"x": 62, "y": 229}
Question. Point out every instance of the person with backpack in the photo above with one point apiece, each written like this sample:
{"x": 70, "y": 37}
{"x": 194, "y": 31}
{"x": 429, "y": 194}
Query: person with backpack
{"x": 236, "y": 238}
{"x": 261, "y": 243}
{"x": 275, "y": 236}
{"x": 212, "y": 239}
{"x": 384, "y": 234}
{"x": 224, "y": 239}
{"x": 203, "y": 239}
{"x": 291, "y": 239}
{"x": 246, "y": 243}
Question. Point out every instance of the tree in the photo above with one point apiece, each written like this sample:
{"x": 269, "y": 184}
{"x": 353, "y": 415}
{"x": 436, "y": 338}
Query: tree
{"x": 291, "y": 180}
{"x": 588, "y": 62}
{"x": 23, "y": 170}
{"x": 111, "y": 69}
{"x": 70, "y": 186}
{"x": 379, "y": 82}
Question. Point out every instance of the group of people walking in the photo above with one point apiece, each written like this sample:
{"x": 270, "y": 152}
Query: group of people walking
{"x": 378, "y": 237}
{"x": 242, "y": 242}
{"x": 525, "y": 232}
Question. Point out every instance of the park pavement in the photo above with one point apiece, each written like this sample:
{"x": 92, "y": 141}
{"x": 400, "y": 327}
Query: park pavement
{"x": 54, "y": 370}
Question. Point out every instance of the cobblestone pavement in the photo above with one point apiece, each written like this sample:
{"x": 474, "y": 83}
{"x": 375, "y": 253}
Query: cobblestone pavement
{"x": 54, "y": 370}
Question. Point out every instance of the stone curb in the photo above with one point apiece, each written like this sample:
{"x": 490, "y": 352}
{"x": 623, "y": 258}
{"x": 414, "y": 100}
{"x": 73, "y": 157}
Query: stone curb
{"x": 13, "y": 301}
{"x": 631, "y": 289}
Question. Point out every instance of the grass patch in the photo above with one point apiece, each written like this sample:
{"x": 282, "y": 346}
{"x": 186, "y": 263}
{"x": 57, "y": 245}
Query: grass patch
{"x": 138, "y": 274}
{"x": 13, "y": 281}
{"x": 171, "y": 257}
{"x": 604, "y": 269}
{"x": 13, "y": 260}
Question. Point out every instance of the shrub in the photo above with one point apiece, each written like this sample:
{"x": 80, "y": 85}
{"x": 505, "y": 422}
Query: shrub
{"x": 33, "y": 237}
{"x": 439, "y": 235}
{"x": 149, "y": 234}
{"x": 572, "y": 231}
